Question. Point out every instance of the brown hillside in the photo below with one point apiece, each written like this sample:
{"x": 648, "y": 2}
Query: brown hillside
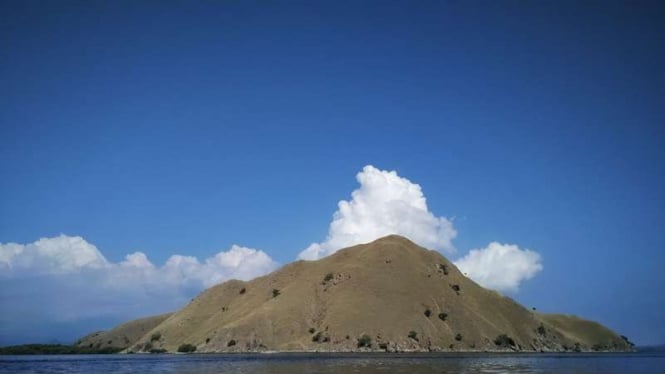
{"x": 401, "y": 296}
{"x": 122, "y": 336}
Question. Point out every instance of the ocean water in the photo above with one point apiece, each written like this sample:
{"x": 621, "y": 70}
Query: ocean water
{"x": 606, "y": 363}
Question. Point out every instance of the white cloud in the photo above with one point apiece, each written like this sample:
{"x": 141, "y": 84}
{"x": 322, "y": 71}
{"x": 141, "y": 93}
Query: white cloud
{"x": 384, "y": 204}
{"x": 58, "y": 255}
{"x": 500, "y": 266}
{"x": 66, "y": 278}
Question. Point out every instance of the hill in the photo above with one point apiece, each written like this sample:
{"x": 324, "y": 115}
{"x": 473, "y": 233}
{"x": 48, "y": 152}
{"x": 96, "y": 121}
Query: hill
{"x": 122, "y": 336}
{"x": 388, "y": 295}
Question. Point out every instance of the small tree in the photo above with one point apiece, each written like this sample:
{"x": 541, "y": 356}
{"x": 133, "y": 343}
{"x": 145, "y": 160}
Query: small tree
{"x": 275, "y": 292}
{"x": 231, "y": 343}
{"x": 186, "y": 348}
{"x": 428, "y": 313}
{"x": 458, "y": 337}
{"x": 504, "y": 340}
{"x": 364, "y": 341}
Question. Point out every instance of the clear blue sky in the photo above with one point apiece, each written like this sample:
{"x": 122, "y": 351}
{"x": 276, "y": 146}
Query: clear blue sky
{"x": 185, "y": 127}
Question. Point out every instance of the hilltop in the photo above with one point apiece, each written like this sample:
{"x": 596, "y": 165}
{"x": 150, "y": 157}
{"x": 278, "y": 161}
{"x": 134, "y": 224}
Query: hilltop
{"x": 387, "y": 295}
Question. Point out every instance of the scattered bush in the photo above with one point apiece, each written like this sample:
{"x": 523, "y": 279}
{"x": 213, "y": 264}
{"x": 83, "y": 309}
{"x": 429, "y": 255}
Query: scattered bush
{"x": 413, "y": 335}
{"x": 155, "y": 336}
{"x": 443, "y": 316}
{"x": 504, "y": 340}
{"x": 328, "y": 277}
{"x": 428, "y": 313}
{"x": 383, "y": 346}
{"x": 242, "y": 291}
{"x": 456, "y": 288}
{"x": 320, "y": 337}
{"x": 186, "y": 348}
{"x": 541, "y": 330}
{"x": 443, "y": 269}
{"x": 207, "y": 340}
{"x": 458, "y": 337}
{"x": 311, "y": 330}
{"x": 147, "y": 346}
{"x": 275, "y": 292}
{"x": 364, "y": 341}
{"x": 158, "y": 350}
{"x": 231, "y": 343}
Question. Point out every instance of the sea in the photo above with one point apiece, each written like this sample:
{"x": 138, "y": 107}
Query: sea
{"x": 384, "y": 363}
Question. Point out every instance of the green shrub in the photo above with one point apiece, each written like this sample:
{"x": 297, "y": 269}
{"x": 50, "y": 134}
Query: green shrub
{"x": 541, "y": 330}
{"x": 155, "y": 336}
{"x": 413, "y": 335}
{"x": 186, "y": 348}
{"x": 364, "y": 341}
{"x": 231, "y": 343}
{"x": 311, "y": 330}
{"x": 242, "y": 291}
{"x": 443, "y": 316}
{"x": 504, "y": 340}
{"x": 455, "y": 288}
{"x": 328, "y": 277}
{"x": 428, "y": 313}
{"x": 275, "y": 292}
{"x": 458, "y": 337}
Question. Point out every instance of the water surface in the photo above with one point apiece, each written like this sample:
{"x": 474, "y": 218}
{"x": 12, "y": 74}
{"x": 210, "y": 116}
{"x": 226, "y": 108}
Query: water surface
{"x": 442, "y": 363}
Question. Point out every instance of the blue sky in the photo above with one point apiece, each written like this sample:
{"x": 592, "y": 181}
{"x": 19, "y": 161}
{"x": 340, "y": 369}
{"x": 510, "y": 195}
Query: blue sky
{"x": 187, "y": 127}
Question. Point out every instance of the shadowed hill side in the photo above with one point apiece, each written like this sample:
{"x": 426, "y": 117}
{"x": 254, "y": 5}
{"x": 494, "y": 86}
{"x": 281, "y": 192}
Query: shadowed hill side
{"x": 389, "y": 295}
{"x": 585, "y": 333}
{"x": 122, "y": 336}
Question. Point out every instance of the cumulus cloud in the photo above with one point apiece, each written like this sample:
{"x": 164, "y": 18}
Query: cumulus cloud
{"x": 384, "y": 204}
{"x": 500, "y": 266}
{"x": 65, "y": 279}
{"x": 59, "y": 255}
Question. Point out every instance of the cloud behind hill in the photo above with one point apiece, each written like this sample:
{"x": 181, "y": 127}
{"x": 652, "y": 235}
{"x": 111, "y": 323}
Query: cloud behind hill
{"x": 65, "y": 279}
{"x": 384, "y": 204}
{"x": 500, "y": 266}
